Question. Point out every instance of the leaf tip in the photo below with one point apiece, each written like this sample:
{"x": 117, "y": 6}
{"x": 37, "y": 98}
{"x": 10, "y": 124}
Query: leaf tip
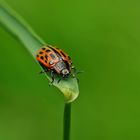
{"x": 69, "y": 89}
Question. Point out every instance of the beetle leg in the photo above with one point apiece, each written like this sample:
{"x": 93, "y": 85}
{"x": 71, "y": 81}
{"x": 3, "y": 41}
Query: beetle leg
{"x": 74, "y": 72}
{"x": 59, "y": 79}
{"x": 77, "y": 79}
{"x": 52, "y": 76}
{"x": 79, "y": 71}
{"x": 46, "y": 70}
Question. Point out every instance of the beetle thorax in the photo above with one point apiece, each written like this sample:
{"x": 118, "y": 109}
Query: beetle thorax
{"x": 60, "y": 66}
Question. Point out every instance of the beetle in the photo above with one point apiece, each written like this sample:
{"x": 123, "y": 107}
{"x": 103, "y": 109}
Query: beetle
{"x": 55, "y": 60}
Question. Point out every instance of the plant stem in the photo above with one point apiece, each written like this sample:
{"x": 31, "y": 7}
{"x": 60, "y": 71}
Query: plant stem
{"x": 67, "y": 119}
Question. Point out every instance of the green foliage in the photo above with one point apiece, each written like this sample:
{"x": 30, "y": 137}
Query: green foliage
{"x": 102, "y": 38}
{"x": 15, "y": 25}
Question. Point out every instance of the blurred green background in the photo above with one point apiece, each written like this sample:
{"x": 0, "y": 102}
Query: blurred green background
{"x": 103, "y": 39}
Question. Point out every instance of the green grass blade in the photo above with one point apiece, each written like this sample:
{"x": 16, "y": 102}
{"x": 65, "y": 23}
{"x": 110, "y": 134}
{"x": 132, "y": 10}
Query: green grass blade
{"x": 13, "y": 23}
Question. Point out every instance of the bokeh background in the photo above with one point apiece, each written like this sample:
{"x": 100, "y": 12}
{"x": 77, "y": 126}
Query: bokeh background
{"x": 103, "y": 39}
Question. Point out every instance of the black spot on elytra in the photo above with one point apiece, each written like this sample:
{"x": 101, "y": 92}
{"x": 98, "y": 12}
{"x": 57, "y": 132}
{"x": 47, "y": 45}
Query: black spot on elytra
{"x": 46, "y": 61}
{"x": 43, "y": 48}
{"x": 40, "y": 52}
{"x": 37, "y": 55}
{"x": 48, "y": 51}
{"x": 63, "y": 54}
{"x": 41, "y": 57}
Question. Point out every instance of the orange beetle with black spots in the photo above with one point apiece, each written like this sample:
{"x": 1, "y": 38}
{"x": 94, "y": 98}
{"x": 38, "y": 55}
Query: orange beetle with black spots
{"x": 55, "y": 60}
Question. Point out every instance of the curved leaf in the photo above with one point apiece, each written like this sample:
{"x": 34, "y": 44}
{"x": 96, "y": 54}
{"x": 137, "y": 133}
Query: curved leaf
{"x": 13, "y": 23}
